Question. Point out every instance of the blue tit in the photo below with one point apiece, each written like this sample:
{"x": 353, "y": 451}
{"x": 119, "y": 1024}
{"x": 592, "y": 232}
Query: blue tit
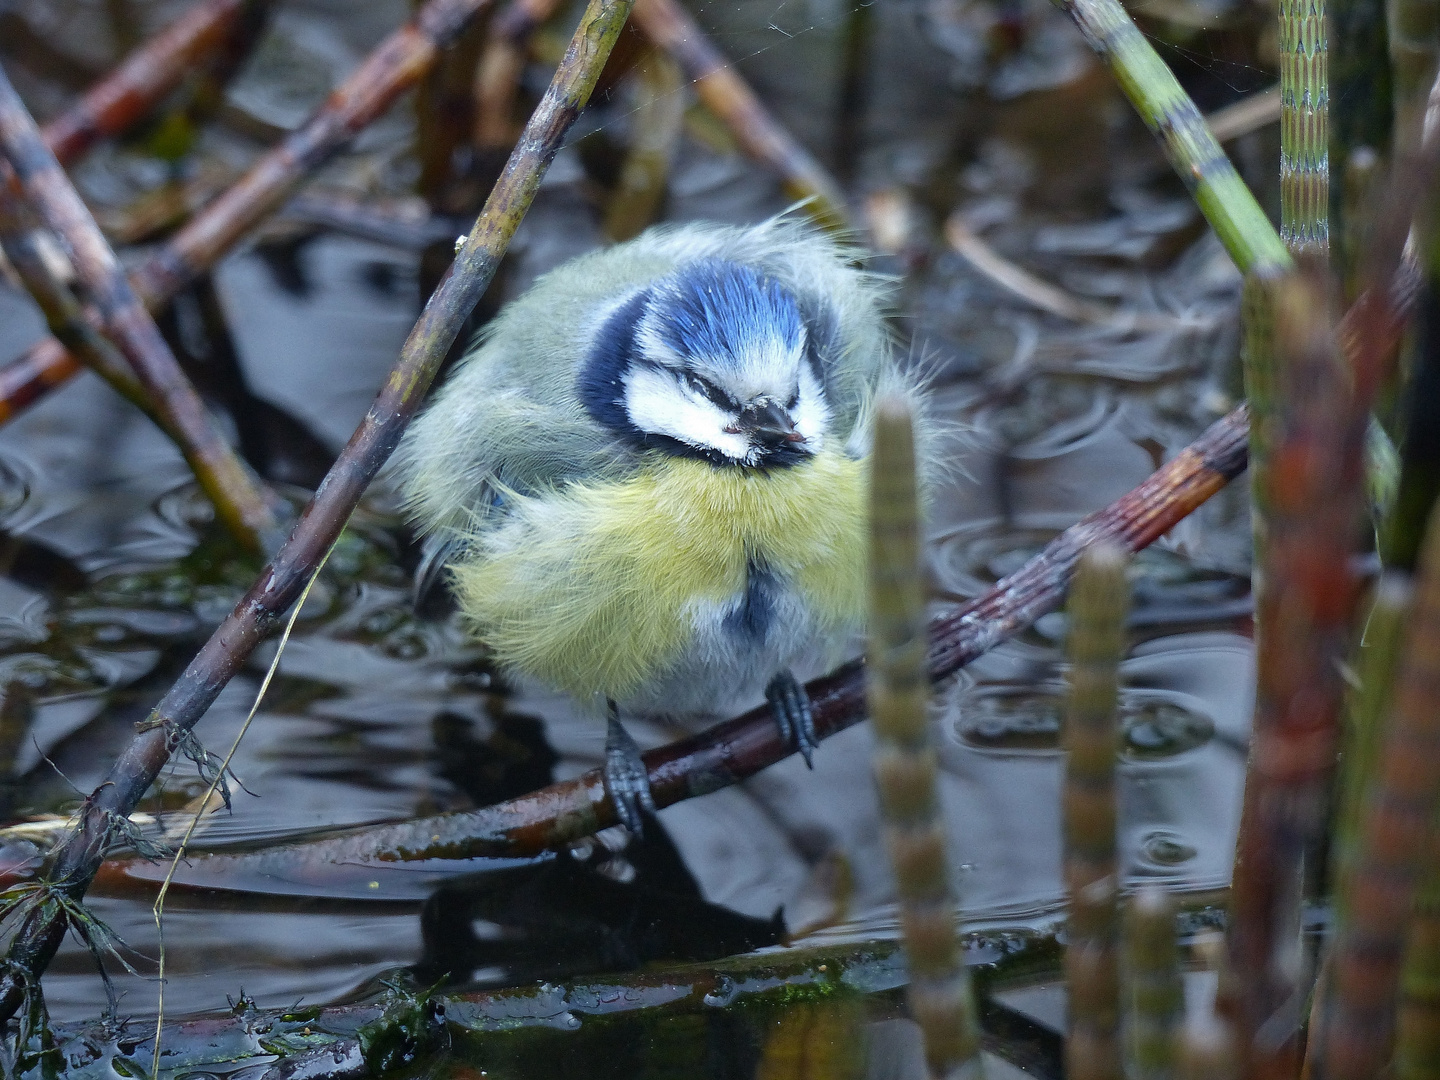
{"x": 648, "y": 476}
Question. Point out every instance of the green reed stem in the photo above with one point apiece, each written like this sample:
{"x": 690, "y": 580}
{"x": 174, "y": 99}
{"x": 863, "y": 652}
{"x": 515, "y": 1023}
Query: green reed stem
{"x": 1099, "y": 600}
{"x": 1417, "y": 1024}
{"x": 1193, "y": 152}
{"x": 1376, "y": 664}
{"x": 1304, "y": 129}
{"x": 1155, "y": 995}
{"x": 905, "y": 763}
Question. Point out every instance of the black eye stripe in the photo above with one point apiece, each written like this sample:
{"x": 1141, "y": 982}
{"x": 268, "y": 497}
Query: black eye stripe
{"x": 710, "y": 390}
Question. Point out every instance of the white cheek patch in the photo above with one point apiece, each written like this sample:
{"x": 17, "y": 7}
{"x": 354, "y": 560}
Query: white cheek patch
{"x": 657, "y": 404}
{"x": 811, "y": 414}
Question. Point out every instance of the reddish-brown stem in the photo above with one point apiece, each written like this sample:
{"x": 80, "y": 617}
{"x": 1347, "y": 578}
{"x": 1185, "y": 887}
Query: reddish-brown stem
{"x": 238, "y": 497}
{"x": 1379, "y": 886}
{"x": 150, "y": 72}
{"x": 72, "y": 864}
{"x": 1304, "y": 612}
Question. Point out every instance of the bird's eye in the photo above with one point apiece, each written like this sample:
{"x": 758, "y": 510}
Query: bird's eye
{"x": 695, "y": 383}
{"x": 794, "y": 400}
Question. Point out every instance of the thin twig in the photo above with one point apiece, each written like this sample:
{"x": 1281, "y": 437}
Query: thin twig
{"x": 238, "y": 496}
{"x": 1042, "y": 294}
{"x": 721, "y": 90}
{"x": 1249, "y": 114}
{"x": 73, "y": 863}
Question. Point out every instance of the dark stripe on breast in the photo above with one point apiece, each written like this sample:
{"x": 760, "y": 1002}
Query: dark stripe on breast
{"x": 752, "y": 619}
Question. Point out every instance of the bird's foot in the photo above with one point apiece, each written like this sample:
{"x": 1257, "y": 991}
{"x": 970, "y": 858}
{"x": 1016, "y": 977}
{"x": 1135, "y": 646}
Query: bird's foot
{"x": 626, "y": 778}
{"x": 793, "y": 715}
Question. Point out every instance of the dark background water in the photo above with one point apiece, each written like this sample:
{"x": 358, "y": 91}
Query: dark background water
{"x": 378, "y": 713}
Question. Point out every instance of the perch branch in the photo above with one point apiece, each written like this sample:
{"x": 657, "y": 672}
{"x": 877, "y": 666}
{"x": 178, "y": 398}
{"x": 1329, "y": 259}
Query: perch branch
{"x": 731, "y": 751}
{"x": 71, "y": 866}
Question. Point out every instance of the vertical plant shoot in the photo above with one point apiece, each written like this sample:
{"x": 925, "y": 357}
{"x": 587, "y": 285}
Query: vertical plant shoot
{"x": 1099, "y": 601}
{"x": 905, "y": 761}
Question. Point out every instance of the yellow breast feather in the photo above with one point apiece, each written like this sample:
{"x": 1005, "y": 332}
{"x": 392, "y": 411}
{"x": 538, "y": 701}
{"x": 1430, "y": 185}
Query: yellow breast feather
{"x": 592, "y": 589}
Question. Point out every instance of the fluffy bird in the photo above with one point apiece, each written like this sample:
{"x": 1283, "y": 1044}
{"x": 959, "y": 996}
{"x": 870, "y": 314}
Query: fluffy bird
{"x": 647, "y": 478}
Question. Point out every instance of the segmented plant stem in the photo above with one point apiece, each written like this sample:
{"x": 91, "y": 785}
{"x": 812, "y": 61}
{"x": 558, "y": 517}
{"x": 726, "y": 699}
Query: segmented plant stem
{"x": 1304, "y": 129}
{"x": 1257, "y": 355}
{"x": 1304, "y": 617}
{"x": 905, "y": 762}
{"x": 1099, "y": 602}
{"x": 1377, "y": 660}
{"x": 1155, "y": 996}
{"x": 1380, "y": 880}
{"x": 239, "y": 498}
{"x": 71, "y": 866}
{"x": 1193, "y": 152}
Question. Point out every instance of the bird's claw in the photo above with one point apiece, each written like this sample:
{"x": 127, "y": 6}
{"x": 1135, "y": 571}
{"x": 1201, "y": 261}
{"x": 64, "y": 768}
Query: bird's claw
{"x": 626, "y": 778}
{"x": 793, "y": 714}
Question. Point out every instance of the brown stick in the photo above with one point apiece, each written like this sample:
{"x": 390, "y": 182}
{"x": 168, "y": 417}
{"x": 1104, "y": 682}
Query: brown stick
{"x": 71, "y": 866}
{"x": 394, "y": 67}
{"x": 237, "y": 495}
{"x": 149, "y": 73}
{"x": 1304, "y": 614}
{"x": 722, "y": 91}
{"x": 62, "y": 311}
{"x": 729, "y": 752}
{"x": 1379, "y": 887}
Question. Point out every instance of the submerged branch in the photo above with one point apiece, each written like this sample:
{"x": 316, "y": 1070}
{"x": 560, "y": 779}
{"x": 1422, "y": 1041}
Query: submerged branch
{"x": 71, "y": 866}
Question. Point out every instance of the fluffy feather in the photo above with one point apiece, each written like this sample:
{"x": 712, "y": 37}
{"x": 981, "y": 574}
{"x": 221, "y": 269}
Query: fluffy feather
{"x": 608, "y": 569}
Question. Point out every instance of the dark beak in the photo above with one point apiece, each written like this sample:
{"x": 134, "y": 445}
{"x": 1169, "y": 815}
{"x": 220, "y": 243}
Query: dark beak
{"x": 769, "y": 425}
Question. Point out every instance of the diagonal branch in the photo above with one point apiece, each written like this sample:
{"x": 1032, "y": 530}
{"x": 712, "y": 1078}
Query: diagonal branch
{"x": 395, "y": 66}
{"x": 130, "y": 91}
{"x": 236, "y": 493}
{"x": 71, "y": 866}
